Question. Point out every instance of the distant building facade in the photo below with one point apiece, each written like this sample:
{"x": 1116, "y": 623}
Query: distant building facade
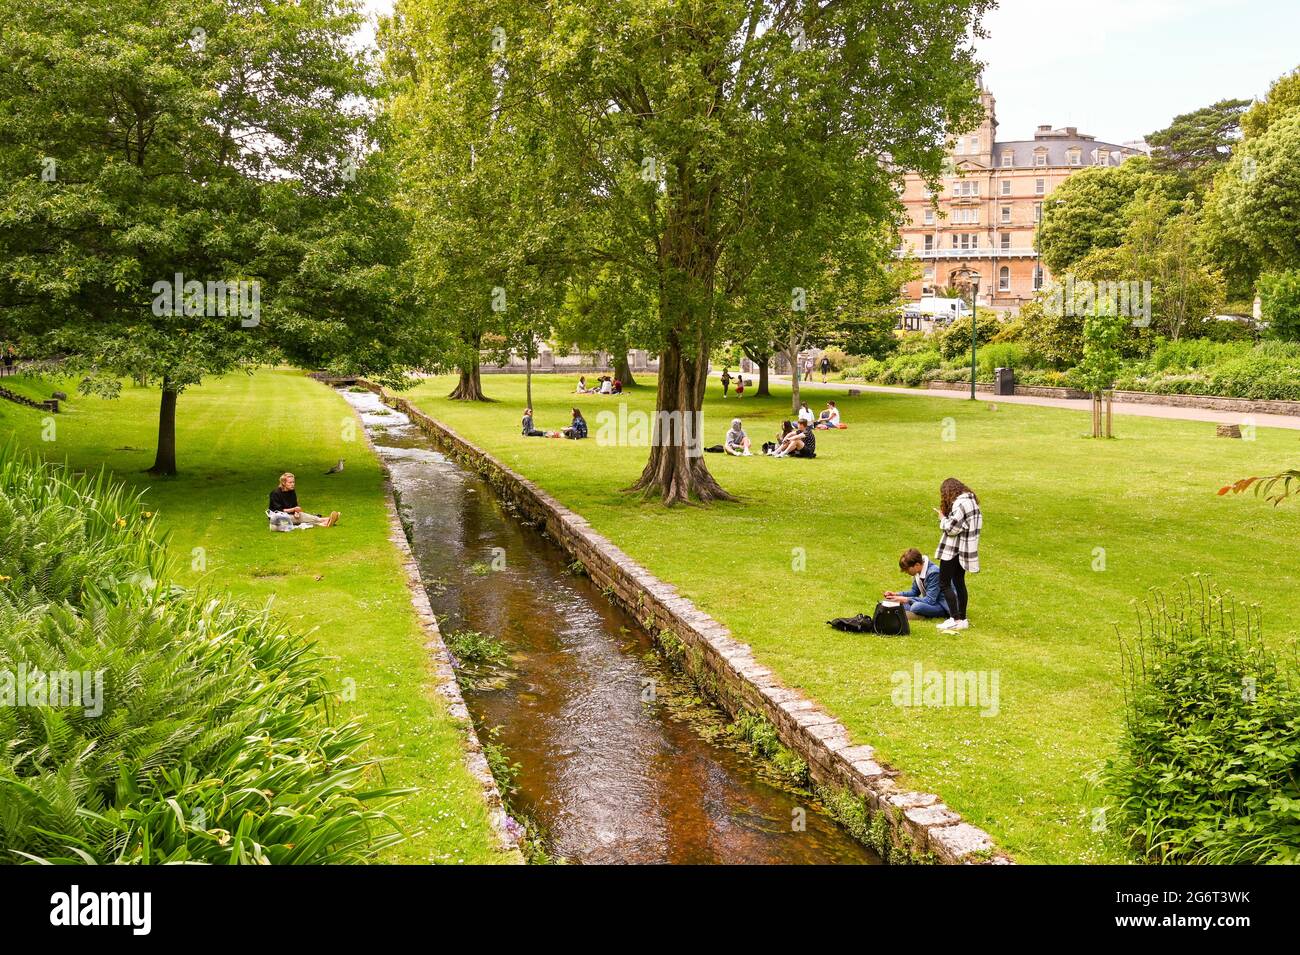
{"x": 991, "y": 200}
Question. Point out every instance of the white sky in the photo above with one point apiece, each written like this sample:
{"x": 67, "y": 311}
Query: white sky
{"x": 1120, "y": 69}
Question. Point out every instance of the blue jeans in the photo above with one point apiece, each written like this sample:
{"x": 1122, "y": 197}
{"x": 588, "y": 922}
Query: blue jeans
{"x": 927, "y": 608}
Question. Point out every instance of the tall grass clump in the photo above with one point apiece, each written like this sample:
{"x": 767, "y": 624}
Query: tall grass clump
{"x": 199, "y": 731}
{"x": 1207, "y": 764}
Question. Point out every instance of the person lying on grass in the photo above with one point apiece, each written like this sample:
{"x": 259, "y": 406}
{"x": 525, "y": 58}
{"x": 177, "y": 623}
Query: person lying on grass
{"x": 285, "y": 500}
{"x": 737, "y": 442}
{"x": 925, "y": 597}
{"x": 801, "y": 443}
{"x": 830, "y": 418}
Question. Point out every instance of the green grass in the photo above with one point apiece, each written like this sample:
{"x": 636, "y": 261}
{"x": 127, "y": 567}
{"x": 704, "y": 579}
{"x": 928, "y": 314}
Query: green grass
{"x": 1042, "y": 615}
{"x": 235, "y": 436}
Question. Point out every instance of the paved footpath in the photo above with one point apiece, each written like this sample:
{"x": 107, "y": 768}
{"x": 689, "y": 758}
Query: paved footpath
{"x": 1291, "y": 422}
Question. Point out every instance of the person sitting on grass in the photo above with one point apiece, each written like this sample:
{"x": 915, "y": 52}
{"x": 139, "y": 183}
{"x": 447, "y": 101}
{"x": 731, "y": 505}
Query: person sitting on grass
{"x": 528, "y": 430}
{"x": 801, "y": 443}
{"x": 582, "y": 385}
{"x": 618, "y": 387}
{"x": 830, "y": 418}
{"x": 805, "y": 413}
{"x": 606, "y": 385}
{"x": 284, "y": 499}
{"x": 737, "y": 442}
{"x": 925, "y": 597}
{"x": 770, "y": 447}
{"x": 578, "y": 429}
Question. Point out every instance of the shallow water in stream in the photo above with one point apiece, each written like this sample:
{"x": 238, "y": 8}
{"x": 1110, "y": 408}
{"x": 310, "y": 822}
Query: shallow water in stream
{"x": 605, "y": 776}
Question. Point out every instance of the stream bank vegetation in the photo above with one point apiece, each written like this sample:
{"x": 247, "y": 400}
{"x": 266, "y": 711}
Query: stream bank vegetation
{"x": 203, "y": 731}
{"x": 1206, "y": 766}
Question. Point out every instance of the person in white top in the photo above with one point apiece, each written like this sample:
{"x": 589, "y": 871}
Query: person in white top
{"x": 830, "y": 418}
{"x": 606, "y": 386}
{"x": 806, "y": 413}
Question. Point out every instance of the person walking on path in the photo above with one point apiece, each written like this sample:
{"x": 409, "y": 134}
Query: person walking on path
{"x": 960, "y": 522}
{"x": 726, "y": 380}
{"x": 826, "y": 368}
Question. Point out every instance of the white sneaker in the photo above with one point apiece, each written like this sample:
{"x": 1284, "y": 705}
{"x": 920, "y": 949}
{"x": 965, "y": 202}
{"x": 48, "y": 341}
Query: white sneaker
{"x": 961, "y": 625}
{"x": 949, "y": 624}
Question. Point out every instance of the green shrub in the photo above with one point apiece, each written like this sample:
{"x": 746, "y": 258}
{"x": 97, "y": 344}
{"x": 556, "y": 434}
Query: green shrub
{"x": 1279, "y": 295}
{"x": 1001, "y": 355}
{"x": 202, "y": 732}
{"x": 1206, "y": 770}
{"x": 954, "y": 340}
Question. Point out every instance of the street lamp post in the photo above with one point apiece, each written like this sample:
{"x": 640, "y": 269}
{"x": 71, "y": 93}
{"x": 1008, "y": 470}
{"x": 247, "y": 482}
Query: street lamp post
{"x": 971, "y": 280}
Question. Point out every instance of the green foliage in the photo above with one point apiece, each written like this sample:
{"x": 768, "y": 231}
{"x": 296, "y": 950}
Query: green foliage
{"x": 1249, "y": 222}
{"x": 954, "y": 340}
{"x": 1088, "y": 212}
{"x": 762, "y": 737}
{"x": 1197, "y": 144}
{"x": 903, "y": 368}
{"x": 1279, "y": 294}
{"x": 1206, "y": 765}
{"x": 1002, "y": 355}
{"x": 1283, "y": 98}
{"x": 1101, "y": 339}
{"x": 472, "y": 648}
{"x": 213, "y": 739}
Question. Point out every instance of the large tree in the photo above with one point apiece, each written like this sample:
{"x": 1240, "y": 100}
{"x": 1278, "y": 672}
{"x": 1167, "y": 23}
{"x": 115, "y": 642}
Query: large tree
{"x": 1089, "y": 211}
{"x": 173, "y": 177}
{"x": 1283, "y": 97}
{"x": 672, "y": 111}
{"x": 1196, "y": 145}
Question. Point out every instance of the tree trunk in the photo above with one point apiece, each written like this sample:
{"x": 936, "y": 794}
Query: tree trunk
{"x": 676, "y": 469}
{"x": 792, "y": 352}
{"x": 164, "y": 462}
{"x": 623, "y": 369}
{"x": 470, "y": 387}
{"x": 528, "y": 379}
{"x": 762, "y": 391}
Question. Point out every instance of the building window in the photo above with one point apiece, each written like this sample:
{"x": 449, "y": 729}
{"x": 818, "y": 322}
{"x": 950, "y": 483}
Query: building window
{"x": 1006, "y": 215}
{"x": 928, "y": 275}
{"x": 1004, "y": 279}
{"x": 1075, "y": 158}
{"x": 1008, "y": 159}
{"x": 1040, "y": 187}
{"x": 1006, "y": 187}
{"x": 966, "y": 216}
{"x": 1038, "y": 212}
{"x": 966, "y": 187}
{"x": 1038, "y": 277}
{"x": 1006, "y": 241}
{"x": 929, "y": 217}
{"x": 929, "y": 243}
{"x": 1040, "y": 158}
{"x": 965, "y": 240}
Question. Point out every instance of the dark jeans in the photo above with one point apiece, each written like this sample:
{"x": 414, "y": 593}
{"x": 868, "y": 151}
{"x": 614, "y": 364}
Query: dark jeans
{"x": 952, "y": 581}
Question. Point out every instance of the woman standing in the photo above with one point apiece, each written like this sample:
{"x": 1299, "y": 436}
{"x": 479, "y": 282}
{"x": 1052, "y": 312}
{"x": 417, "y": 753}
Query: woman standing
{"x": 960, "y": 522}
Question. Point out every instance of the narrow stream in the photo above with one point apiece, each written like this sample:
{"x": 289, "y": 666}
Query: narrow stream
{"x": 605, "y": 776}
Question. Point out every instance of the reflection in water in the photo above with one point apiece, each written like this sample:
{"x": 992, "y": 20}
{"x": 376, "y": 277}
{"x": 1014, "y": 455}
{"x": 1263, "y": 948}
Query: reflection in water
{"x": 607, "y": 777}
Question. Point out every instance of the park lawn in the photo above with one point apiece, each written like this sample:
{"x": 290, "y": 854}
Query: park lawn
{"x": 1075, "y": 531}
{"x": 234, "y": 437}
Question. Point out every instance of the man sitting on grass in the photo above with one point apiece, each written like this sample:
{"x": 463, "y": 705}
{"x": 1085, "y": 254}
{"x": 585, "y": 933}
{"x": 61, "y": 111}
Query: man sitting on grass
{"x": 284, "y": 499}
{"x": 925, "y": 597}
{"x": 800, "y": 443}
{"x": 830, "y": 418}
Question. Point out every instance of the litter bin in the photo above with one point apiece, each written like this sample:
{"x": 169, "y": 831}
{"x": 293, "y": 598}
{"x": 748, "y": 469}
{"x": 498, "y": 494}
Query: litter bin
{"x": 1004, "y": 381}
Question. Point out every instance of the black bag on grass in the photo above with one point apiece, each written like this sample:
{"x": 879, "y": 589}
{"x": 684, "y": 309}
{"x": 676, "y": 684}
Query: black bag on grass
{"x": 859, "y": 624}
{"x": 890, "y": 620}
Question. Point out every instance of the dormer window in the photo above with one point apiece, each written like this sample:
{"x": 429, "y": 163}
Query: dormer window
{"x": 1074, "y": 157}
{"x": 1008, "y": 160}
{"x": 1040, "y": 157}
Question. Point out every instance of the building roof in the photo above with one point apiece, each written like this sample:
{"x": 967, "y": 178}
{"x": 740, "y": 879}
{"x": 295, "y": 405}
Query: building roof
{"x": 1057, "y": 143}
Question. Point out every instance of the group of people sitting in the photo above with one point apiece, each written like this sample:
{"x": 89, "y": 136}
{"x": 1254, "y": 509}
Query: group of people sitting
{"x": 604, "y": 385}
{"x": 576, "y": 430}
{"x": 828, "y": 418}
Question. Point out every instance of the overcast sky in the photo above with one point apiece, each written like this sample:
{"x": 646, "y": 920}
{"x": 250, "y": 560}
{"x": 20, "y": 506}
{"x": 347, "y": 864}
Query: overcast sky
{"x": 1120, "y": 69}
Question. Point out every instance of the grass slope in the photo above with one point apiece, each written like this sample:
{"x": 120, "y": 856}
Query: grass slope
{"x": 234, "y": 437}
{"x": 1056, "y": 505}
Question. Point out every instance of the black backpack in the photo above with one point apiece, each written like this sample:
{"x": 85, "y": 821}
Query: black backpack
{"x": 886, "y": 621}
